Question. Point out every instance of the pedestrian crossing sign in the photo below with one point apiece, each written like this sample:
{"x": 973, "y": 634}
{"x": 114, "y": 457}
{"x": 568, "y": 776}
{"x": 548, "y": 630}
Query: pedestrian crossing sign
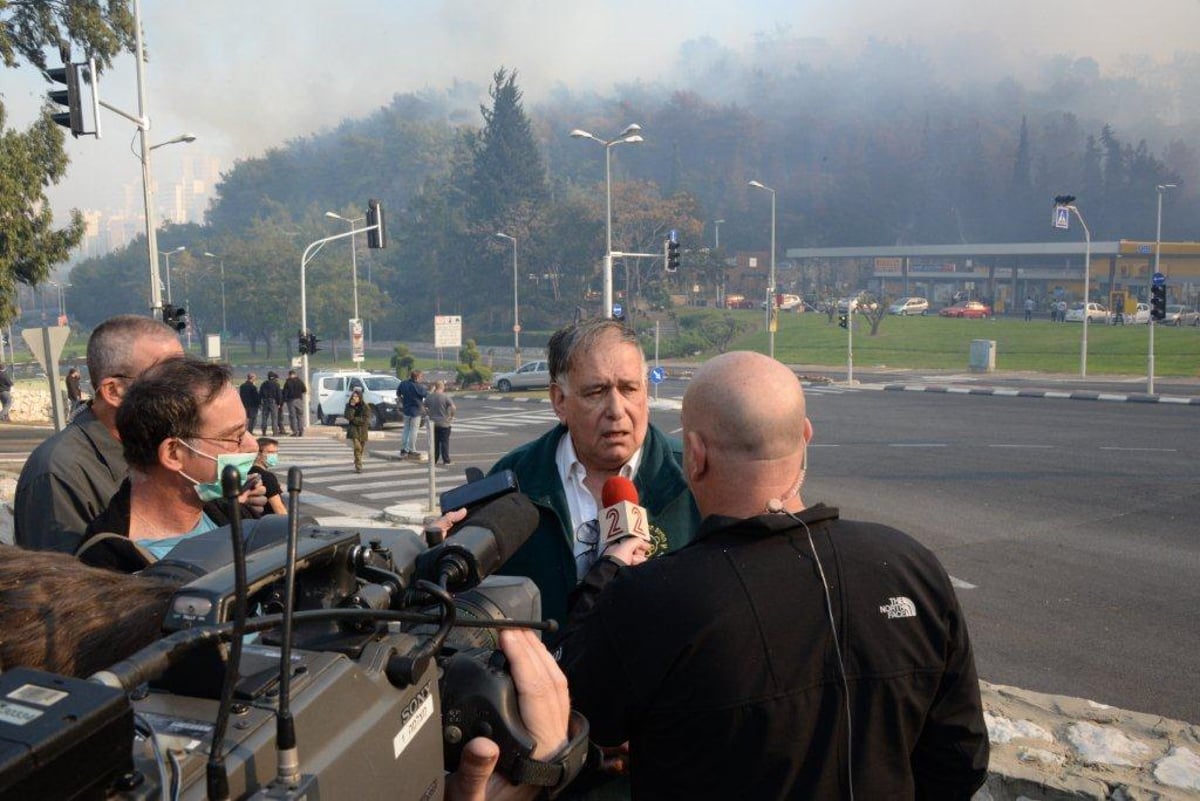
{"x": 1062, "y": 217}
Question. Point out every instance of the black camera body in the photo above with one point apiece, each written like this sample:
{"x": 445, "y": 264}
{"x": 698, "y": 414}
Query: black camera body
{"x": 365, "y": 728}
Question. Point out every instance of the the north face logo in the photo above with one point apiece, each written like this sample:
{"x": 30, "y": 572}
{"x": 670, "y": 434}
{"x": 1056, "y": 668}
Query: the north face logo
{"x": 899, "y": 606}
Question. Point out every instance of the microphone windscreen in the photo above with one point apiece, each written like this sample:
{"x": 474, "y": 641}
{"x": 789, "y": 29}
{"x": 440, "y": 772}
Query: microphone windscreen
{"x": 512, "y": 518}
{"x": 617, "y": 489}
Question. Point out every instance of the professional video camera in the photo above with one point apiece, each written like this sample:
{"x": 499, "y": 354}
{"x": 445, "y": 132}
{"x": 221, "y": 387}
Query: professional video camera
{"x": 391, "y": 667}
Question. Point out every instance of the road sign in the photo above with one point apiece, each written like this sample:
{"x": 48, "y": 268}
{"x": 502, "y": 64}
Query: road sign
{"x": 55, "y": 341}
{"x": 618, "y": 310}
{"x": 657, "y": 375}
{"x": 1144, "y": 250}
{"x": 1062, "y": 217}
{"x": 447, "y": 331}
{"x": 1158, "y": 279}
{"x": 356, "y": 340}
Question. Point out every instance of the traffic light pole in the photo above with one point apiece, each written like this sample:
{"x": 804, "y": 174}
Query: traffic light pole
{"x": 309, "y": 252}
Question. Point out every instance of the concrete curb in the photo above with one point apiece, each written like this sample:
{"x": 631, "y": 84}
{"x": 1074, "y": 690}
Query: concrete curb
{"x": 1013, "y": 392}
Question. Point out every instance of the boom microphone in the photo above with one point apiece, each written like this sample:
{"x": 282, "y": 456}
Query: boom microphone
{"x": 621, "y": 516}
{"x": 481, "y": 543}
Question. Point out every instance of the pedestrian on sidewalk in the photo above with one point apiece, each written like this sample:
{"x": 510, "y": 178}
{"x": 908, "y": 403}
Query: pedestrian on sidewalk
{"x": 251, "y": 397}
{"x": 1029, "y": 306}
{"x": 74, "y": 390}
{"x": 358, "y": 413}
{"x": 271, "y": 399}
{"x": 264, "y": 466}
{"x": 294, "y": 391}
{"x": 441, "y": 410}
{"x": 6, "y": 384}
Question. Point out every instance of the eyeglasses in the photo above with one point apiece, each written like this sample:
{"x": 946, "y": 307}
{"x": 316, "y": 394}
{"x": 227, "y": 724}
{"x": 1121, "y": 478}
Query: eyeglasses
{"x": 588, "y": 534}
{"x": 237, "y": 443}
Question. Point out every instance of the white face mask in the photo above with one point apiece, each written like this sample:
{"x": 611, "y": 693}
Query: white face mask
{"x": 211, "y": 490}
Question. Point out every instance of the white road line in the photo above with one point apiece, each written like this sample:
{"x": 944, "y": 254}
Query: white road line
{"x": 369, "y": 485}
{"x": 1102, "y": 396}
{"x": 1143, "y": 450}
{"x": 1002, "y": 445}
{"x": 1009, "y": 393}
{"x": 962, "y": 585}
{"x": 916, "y": 445}
{"x": 344, "y": 508}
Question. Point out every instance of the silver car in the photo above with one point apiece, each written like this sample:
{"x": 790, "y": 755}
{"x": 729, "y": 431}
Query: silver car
{"x": 909, "y": 306}
{"x": 1181, "y": 315}
{"x": 530, "y": 375}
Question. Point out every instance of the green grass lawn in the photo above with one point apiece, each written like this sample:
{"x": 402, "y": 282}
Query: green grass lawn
{"x": 942, "y": 343}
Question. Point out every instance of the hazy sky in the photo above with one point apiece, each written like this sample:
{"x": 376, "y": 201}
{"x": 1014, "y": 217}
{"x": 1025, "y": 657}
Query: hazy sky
{"x": 245, "y": 75}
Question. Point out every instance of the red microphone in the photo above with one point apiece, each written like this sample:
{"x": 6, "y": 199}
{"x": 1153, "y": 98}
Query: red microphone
{"x": 622, "y": 516}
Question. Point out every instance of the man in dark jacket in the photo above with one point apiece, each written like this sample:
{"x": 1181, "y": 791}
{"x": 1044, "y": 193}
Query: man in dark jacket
{"x": 293, "y": 398}
{"x": 411, "y": 396}
{"x": 598, "y": 388}
{"x": 251, "y": 397}
{"x": 270, "y": 395}
{"x": 784, "y": 653}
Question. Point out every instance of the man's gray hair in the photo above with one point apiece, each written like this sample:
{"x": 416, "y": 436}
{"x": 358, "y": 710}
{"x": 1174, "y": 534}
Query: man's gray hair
{"x": 112, "y": 345}
{"x": 583, "y": 336}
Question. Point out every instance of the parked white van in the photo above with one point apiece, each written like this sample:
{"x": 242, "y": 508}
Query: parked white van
{"x": 331, "y": 390}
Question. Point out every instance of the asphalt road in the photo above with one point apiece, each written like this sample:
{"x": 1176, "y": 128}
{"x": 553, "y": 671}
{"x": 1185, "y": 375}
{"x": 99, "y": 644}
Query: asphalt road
{"x": 1072, "y": 522}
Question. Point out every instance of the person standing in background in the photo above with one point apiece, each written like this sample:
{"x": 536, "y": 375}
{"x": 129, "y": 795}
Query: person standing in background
{"x": 268, "y": 458}
{"x": 441, "y": 414}
{"x": 293, "y": 397}
{"x": 358, "y": 414}
{"x": 5, "y": 393}
{"x": 411, "y": 395}
{"x": 270, "y": 396}
{"x": 74, "y": 391}
{"x": 250, "y": 396}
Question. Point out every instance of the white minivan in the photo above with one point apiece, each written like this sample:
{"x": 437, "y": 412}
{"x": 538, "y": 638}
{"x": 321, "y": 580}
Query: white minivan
{"x": 331, "y": 390}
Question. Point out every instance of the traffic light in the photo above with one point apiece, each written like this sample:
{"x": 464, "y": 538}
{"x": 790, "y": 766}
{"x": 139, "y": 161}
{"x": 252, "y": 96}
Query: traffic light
{"x": 69, "y": 98}
{"x": 844, "y": 320}
{"x": 312, "y": 344}
{"x": 302, "y": 342}
{"x": 1158, "y": 302}
{"x": 377, "y": 235}
{"x": 673, "y": 256}
{"x": 175, "y": 316}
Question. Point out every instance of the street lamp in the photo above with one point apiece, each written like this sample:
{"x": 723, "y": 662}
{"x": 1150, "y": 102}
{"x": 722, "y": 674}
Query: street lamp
{"x": 221, "y": 259}
{"x": 167, "y": 256}
{"x": 1068, "y": 202}
{"x": 186, "y": 138}
{"x": 148, "y": 183}
{"x": 353, "y": 252}
{"x": 717, "y": 234}
{"x": 631, "y": 135}
{"x": 771, "y": 311}
{"x": 516, "y": 305}
{"x": 1162, "y": 190}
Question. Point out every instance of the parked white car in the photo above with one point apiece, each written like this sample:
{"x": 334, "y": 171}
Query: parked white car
{"x": 1096, "y": 313}
{"x": 331, "y": 390}
{"x": 1139, "y": 317}
{"x": 909, "y": 306}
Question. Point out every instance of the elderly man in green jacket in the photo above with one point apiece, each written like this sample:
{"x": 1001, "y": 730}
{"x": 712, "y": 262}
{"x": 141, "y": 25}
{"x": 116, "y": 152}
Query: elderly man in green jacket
{"x": 598, "y": 388}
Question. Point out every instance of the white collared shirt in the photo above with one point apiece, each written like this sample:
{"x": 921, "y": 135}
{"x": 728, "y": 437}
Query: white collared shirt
{"x": 582, "y": 504}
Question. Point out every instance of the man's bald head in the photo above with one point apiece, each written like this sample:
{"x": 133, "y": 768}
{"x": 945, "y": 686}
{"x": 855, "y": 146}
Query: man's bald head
{"x": 746, "y": 405}
{"x": 745, "y": 432}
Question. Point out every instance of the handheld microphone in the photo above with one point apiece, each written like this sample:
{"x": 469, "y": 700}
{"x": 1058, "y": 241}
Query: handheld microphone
{"x": 621, "y": 516}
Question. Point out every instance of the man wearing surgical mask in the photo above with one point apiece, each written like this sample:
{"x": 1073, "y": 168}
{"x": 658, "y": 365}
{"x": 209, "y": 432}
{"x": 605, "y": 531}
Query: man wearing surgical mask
{"x": 180, "y": 424}
{"x": 264, "y": 466}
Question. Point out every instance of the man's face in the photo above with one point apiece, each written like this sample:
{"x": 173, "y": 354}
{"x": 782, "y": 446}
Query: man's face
{"x": 603, "y": 403}
{"x": 222, "y": 430}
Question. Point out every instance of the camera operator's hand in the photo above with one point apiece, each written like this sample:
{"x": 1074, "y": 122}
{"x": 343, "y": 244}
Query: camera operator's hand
{"x": 441, "y": 526}
{"x": 545, "y": 708}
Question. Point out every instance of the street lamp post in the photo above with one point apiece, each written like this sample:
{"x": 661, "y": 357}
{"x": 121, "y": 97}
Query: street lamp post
{"x": 631, "y": 135}
{"x": 771, "y": 311}
{"x": 168, "y": 256}
{"x": 1161, "y": 189}
{"x": 220, "y": 259}
{"x": 516, "y": 305}
{"x": 717, "y": 234}
{"x": 353, "y": 252}
{"x": 1068, "y": 202}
